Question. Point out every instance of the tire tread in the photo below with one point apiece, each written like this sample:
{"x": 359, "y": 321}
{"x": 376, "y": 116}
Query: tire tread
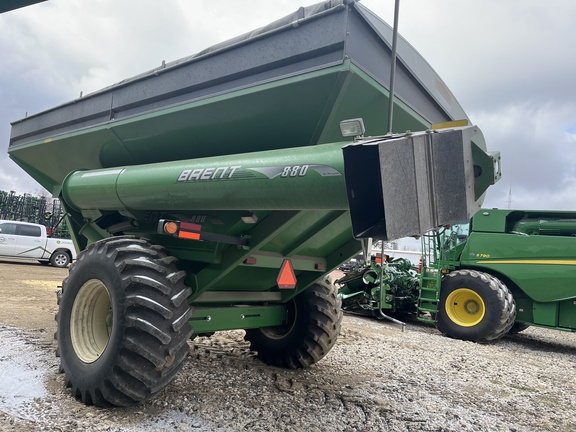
{"x": 507, "y": 303}
{"x": 323, "y": 321}
{"x": 155, "y": 313}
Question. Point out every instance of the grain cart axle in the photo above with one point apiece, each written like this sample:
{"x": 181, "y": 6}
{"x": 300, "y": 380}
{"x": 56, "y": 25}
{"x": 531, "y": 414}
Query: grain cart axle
{"x": 216, "y": 192}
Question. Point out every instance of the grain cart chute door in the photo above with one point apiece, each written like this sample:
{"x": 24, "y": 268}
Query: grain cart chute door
{"x": 416, "y": 181}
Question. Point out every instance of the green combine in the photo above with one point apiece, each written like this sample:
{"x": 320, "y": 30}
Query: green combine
{"x": 217, "y": 192}
{"x": 498, "y": 274}
{"x": 503, "y": 271}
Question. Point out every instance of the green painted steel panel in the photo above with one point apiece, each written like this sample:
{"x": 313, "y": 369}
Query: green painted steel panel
{"x": 303, "y": 178}
{"x": 269, "y": 116}
{"x": 209, "y": 319}
{"x": 524, "y": 308}
{"x": 546, "y": 314}
{"x": 567, "y": 314}
{"x": 542, "y": 264}
{"x": 544, "y": 267}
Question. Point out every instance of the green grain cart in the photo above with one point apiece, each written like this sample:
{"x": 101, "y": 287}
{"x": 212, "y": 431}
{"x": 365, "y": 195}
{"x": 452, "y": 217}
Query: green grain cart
{"x": 216, "y": 192}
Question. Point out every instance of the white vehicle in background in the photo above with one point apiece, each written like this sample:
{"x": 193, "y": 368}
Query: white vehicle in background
{"x": 30, "y": 241}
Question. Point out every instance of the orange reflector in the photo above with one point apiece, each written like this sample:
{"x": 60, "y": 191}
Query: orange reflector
{"x": 189, "y": 231}
{"x": 189, "y": 235}
{"x": 286, "y": 278}
{"x": 170, "y": 227}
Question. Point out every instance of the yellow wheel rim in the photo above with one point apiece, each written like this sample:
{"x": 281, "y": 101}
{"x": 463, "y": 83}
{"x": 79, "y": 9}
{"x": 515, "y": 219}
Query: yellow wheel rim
{"x": 465, "y": 307}
{"x": 91, "y": 321}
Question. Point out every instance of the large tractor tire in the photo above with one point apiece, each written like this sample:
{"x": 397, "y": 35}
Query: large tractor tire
{"x": 475, "y": 306}
{"x": 122, "y": 322}
{"x": 311, "y": 330}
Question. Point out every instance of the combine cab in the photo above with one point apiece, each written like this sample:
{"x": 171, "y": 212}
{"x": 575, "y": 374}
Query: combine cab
{"x": 216, "y": 192}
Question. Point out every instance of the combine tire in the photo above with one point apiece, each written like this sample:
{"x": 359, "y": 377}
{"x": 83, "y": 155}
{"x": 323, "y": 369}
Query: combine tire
{"x": 122, "y": 322}
{"x": 475, "y": 306}
{"x": 60, "y": 259}
{"x": 517, "y": 328}
{"x": 314, "y": 319}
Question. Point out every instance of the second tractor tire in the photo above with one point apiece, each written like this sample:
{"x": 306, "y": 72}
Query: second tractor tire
{"x": 312, "y": 328}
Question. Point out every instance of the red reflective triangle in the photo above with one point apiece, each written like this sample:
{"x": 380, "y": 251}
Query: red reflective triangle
{"x": 286, "y": 278}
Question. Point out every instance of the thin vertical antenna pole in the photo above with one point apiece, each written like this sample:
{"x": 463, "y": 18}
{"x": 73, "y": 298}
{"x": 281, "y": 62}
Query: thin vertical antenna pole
{"x": 393, "y": 65}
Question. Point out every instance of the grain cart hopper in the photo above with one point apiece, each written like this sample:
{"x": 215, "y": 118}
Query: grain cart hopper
{"x": 213, "y": 193}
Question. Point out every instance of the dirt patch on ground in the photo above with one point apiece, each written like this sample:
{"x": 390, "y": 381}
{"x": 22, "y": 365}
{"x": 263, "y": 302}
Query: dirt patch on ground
{"x": 29, "y": 294}
{"x": 376, "y": 378}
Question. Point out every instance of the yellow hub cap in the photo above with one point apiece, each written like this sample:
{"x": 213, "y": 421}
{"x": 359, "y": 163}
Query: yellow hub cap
{"x": 91, "y": 321}
{"x": 465, "y": 308}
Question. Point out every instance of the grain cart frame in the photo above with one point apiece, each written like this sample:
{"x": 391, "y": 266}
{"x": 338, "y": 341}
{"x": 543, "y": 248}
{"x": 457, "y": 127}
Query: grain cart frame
{"x": 502, "y": 272}
{"x": 216, "y": 193}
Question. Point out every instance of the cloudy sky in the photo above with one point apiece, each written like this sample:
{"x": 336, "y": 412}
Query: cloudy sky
{"x": 509, "y": 63}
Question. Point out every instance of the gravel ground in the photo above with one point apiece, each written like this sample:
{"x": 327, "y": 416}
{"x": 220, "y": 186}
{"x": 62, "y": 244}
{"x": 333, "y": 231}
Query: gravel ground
{"x": 376, "y": 378}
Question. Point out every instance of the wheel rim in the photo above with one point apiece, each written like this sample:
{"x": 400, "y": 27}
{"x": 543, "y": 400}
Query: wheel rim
{"x": 61, "y": 259}
{"x": 465, "y": 307}
{"x": 279, "y": 332}
{"x": 91, "y": 321}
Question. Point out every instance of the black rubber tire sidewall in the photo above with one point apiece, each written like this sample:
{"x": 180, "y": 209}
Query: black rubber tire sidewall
{"x": 150, "y": 325}
{"x": 312, "y": 333}
{"x": 91, "y": 375}
{"x": 518, "y": 328}
{"x": 490, "y": 327}
{"x": 287, "y": 343}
